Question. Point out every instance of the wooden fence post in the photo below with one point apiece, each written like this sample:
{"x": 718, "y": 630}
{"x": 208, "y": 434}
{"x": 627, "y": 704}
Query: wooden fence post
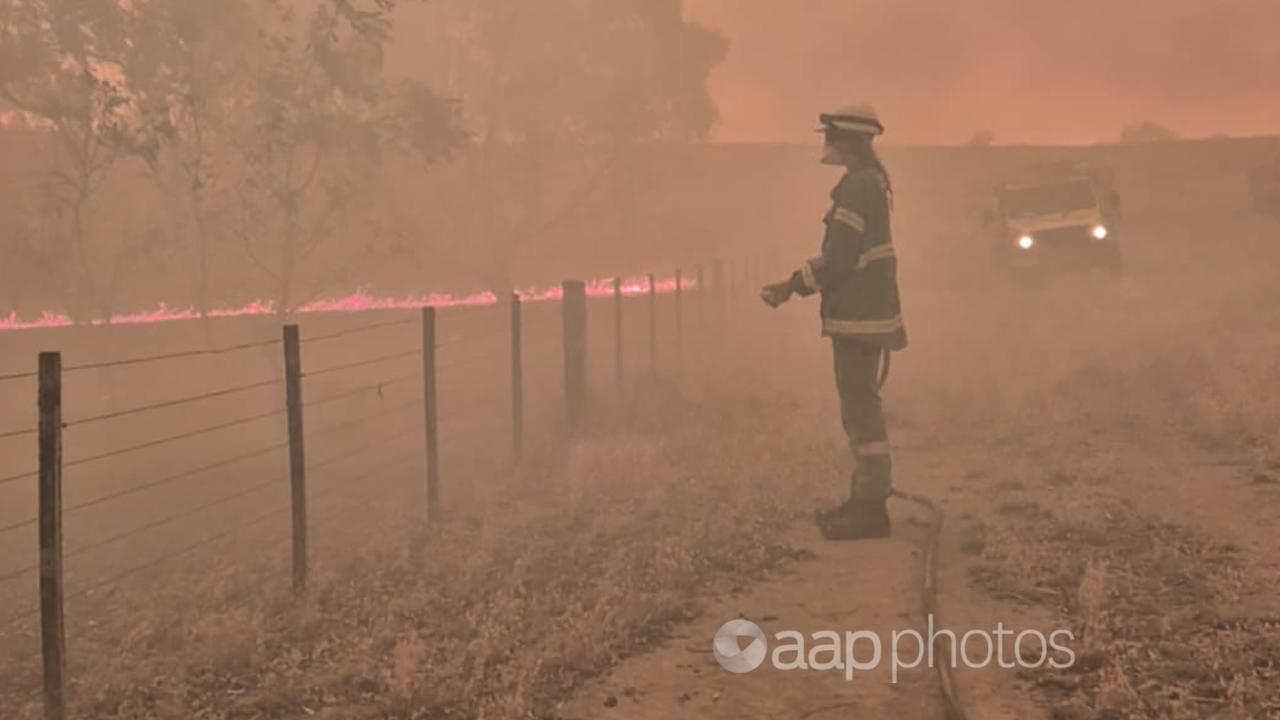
{"x": 617, "y": 324}
{"x": 297, "y": 454}
{"x": 432, "y": 420}
{"x": 679, "y": 309}
{"x": 574, "y": 293}
{"x": 653, "y": 324}
{"x": 517, "y": 379}
{"x": 52, "y": 637}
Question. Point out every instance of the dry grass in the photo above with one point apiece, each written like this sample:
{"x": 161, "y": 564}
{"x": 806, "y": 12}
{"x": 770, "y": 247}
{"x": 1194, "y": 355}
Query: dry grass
{"x": 1154, "y": 608}
{"x": 538, "y": 581}
{"x": 1099, "y": 389}
{"x": 590, "y": 553}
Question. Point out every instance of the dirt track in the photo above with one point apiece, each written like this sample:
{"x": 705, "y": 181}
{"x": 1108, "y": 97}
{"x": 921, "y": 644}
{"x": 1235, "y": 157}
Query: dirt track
{"x": 1107, "y": 456}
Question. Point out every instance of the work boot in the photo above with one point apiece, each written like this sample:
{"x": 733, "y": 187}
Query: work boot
{"x": 863, "y": 520}
{"x": 824, "y": 515}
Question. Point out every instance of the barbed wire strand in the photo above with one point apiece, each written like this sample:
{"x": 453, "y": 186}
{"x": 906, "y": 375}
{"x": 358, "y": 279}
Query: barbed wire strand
{"x": 414, "y": 453}
{"x": 213, "y": 539}
{"x": 476, "y": 359}
{"x": 262, "y": 344}
{"x": 243, "y": 492}
{"x": 220, "y": 393}
{"x": 152, "y": 443}
{"x": 170, "y": 356}
{"x": 361, "y": 389}
{"x": 30, "y": 613}
{"x": 18, "y": 433}
{"x": 280, "y": 479}
{"x": 19, "y": 572}
{"x": 180, "y": 476}
{"x": 451, "y": 340}
{"x": 132, "y": 532}
{"x": 178, "y": 553}
{"x": 390, "y": 439}
{"x": 18, "y": 525}
{"x": 394, "y": 410}
{"x": 207, "y": 541}
{"x": 171, "y": 403}
{"x": 135, "y": 489}
{"x": 482, "y": 336}
{"x": 475, "y": 392}
{"x": 363, "y": 363}
{"x": 147, "y": 359}
{"x": 336, "y": 488}
{"x": 356, "y": 330}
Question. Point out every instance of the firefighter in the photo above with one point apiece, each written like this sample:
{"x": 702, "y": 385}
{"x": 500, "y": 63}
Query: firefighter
{"x": 856, "y": 275}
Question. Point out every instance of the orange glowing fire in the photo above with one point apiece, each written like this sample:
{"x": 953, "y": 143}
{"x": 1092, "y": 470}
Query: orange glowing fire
{"x": 359, "y": 301}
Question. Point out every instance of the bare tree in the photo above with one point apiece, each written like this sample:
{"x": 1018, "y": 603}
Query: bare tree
{"x": 197, "y": 53}
{"x": 562, "y": 99}
{"x": 68, "y": 63}
{"x": 262, "y": 122}
{"x": 313, "y": 115}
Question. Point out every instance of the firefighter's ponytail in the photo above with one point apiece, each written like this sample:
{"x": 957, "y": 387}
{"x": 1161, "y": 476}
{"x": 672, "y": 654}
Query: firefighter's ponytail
{"x": 868, "y": 157}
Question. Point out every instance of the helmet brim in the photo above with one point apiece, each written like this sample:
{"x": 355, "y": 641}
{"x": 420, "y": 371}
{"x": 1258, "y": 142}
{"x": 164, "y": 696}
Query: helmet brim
{"x": 850, "y": 124}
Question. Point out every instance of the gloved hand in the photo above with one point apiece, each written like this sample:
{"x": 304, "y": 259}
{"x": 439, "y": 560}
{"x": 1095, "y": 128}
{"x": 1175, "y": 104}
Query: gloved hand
{"x": 776, "y": 293}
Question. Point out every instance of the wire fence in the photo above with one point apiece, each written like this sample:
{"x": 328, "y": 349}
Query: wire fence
{"x": 377, "y": 403}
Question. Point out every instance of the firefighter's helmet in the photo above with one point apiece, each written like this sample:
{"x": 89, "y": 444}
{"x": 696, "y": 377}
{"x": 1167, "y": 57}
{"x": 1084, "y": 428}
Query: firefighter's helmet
{"x": 860, "y": 118}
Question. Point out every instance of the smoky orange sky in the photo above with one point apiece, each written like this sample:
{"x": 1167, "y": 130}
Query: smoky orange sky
{"x": 1031, "y": 71}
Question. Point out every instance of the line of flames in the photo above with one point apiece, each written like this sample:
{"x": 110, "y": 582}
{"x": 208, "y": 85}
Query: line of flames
{"x": 359, "y": 301}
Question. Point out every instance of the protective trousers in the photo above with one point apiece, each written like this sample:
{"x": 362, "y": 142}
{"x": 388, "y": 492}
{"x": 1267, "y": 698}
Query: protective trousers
{"x": 857, "y": 369}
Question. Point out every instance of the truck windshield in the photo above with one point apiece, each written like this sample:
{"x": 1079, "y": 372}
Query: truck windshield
{"x": 1049, "y": 198}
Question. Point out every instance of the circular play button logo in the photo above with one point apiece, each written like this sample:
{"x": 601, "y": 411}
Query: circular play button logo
{"x": 732, "y": 654}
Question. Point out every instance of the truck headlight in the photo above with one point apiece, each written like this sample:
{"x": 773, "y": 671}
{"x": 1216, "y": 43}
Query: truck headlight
{"x": 1026, "y": 242}
{"x": 1100, "y": 232}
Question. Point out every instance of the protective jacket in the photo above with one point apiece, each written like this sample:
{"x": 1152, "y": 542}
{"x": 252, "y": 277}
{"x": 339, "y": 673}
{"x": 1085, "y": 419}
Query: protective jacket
{"x": 857, "y": 270}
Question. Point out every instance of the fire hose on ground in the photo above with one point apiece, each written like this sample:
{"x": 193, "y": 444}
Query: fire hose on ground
{"x": 929, "y": 590}
{"x": 929, "y": 584}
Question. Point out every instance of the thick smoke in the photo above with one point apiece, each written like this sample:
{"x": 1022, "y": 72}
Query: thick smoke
{"x": 1073, "y": 72}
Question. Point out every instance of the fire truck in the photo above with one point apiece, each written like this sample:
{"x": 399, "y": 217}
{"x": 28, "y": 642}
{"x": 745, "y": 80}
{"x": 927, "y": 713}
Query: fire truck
{"x": 1055, "y": 218}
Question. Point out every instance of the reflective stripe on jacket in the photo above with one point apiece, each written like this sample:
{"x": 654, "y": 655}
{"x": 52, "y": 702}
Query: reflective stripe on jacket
{"x": 857, "y": 270}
